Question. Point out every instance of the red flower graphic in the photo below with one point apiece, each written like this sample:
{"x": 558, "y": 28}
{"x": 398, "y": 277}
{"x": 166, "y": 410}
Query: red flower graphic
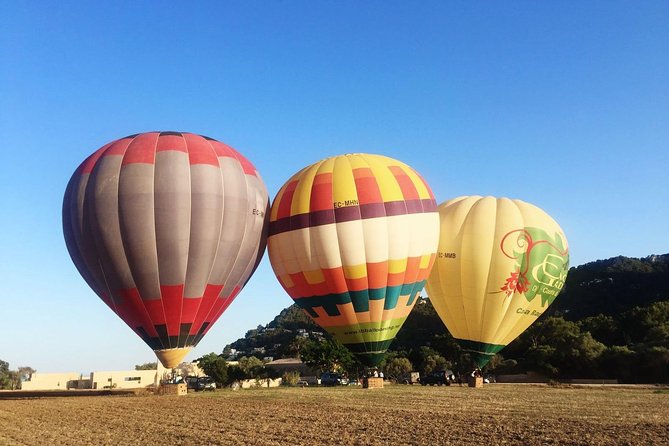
{"x": 516, "y": 282}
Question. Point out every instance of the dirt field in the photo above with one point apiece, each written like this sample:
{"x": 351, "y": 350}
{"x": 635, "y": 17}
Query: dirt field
{"x": 397, "y": 415}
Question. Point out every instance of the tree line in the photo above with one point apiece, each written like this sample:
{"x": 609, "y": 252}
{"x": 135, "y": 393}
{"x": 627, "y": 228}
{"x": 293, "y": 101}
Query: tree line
{"x": 12, "y": 379}
{"x": 610, "y": 321}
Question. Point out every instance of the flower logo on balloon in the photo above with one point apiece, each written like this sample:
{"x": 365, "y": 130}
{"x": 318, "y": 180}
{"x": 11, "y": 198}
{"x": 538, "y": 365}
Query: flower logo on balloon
{"x": 541, "y": 264}
{"x": 516, "y": 282}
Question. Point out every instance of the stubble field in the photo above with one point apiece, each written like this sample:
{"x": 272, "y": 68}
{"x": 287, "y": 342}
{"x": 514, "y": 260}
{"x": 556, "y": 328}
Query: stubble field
{"x": 397, "y": 415}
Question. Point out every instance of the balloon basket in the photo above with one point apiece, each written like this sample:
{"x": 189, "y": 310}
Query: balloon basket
{"x": 173, "y": 389}
{"x": 475, "y": 381}
{"x": 372, "y": 383}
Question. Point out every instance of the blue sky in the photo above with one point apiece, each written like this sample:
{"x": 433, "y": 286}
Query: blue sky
{"x": 561, "y": 104}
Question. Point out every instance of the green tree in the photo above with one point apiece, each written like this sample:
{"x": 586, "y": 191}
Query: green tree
{"x": 147, "y": 366}
{"x": 396, "y": 367}
{"x": 296, "y": 345}
{"x": 252, "y": 367}
{"x": 214, "y": 367}
{"x": 653, "y": 364}
{"x": 429, "y": 360}
{"x": 617, "y": 362}
{"x": 5, "y": 378}
{"x": 290, "y": 378}
{"x": 328, "y": 355}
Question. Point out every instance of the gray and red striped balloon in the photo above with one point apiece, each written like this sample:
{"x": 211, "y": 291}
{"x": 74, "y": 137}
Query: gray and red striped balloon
{"x": 166, "y": 228}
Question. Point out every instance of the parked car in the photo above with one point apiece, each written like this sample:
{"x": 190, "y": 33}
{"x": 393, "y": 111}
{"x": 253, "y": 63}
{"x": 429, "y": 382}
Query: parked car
{"x": 200, "y": 383}
{"x": 409, "y": 378}
{"x": 440, "y": 378}
{"x": 333, "y": 379}
{"x": 302, "y": 383}
{"x": 206, "y": 384}
{"x": 191, "y": 382}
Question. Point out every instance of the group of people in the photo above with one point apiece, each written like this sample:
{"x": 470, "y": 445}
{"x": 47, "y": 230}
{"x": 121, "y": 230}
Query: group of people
{"x": 374, "y": 374}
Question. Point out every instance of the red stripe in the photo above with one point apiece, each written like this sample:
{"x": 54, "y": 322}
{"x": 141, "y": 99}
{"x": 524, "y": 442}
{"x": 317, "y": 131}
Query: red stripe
{"x": 335, "y": 277}
{"x": 142, "y": 149}
{"x": 429, "y": 190}
{"x": 221, "y": 149}
{"x": 132, "y": 310}
{"x": 225, "y": 150}
{"x": 171, "y": 142}
{"x": 90, "y": 162}
{"x": 301, "y": 288}
{"x": 189, "y": 309}
{"x": 367, "y": 188}
{"x": 155, "y": 309}
{"x": 199, "y": 150}
{"x": 286, "y": 200}
{"x": 118, "y": 147}
{"x": 377, "y": 274}
{"x": 208, "y": 299}
{"x": 172, "y": 297}
{"x": 406, "y": 185}
{"x": 222, "y": 305}
{"x": 321, "y": 193}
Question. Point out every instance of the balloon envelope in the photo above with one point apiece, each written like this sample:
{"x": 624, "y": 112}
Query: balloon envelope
{"x": 500, "y": 264}
{"x": 166, "y": 228}
{"x": 352, "y": 240}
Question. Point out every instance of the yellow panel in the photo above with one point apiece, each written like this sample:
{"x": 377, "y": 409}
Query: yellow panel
{"x": 423, "y": 193}
{"x": 497, "y": 304}
{"x": 358, "y": 160}
{"x": 314, "y": 276}
{"x": 344, "y": 191}
{"x": 274, "y": 210}
{"x": 287, "y": 281}
{"x": 424, "y": 261}
{"x": 302, "y": 194}
{"x": 444, "y": 283}
{"x": 355, "y": 271}
{"x": 390, "y": 190}
{"x": 396, "y": 266}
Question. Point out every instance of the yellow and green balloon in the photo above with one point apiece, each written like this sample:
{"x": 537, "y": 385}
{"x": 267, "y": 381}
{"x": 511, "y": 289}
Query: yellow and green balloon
{"x": 500, "y": 264}
{"x": 352, "y": 240}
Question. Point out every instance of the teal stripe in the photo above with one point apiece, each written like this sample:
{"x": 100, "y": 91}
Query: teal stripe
{"x": 370, "y": 359}
{"x": 418, "y": 287}
{"x": 481, "y": 352}
{"x": 360, "y": 299}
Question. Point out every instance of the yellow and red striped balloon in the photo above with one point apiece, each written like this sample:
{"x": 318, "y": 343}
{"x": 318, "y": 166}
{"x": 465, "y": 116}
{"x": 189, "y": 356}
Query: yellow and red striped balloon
{"x": 352, "y": 240}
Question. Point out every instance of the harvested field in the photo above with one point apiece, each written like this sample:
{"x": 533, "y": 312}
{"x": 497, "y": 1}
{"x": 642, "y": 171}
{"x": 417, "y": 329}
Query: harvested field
{"x": 398, "y": 415}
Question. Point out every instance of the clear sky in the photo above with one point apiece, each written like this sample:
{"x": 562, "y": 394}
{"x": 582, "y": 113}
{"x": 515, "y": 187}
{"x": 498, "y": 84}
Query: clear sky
{"x": 562, "y": 104}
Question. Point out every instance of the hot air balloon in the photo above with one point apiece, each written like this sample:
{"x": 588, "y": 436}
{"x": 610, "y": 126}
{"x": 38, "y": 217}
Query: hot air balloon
{"x": 166, "y": 228}
{"x": 500, "y": 264}
{"x": 352, "y": 239}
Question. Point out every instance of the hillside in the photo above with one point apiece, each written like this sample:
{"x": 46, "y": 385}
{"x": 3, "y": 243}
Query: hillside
{"x": 613, "y": 286}
{"x": 613, "y": 313}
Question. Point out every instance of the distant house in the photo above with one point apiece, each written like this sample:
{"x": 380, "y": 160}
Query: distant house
{"x": 125, "y": 379}
{"x": 291, "y": 365}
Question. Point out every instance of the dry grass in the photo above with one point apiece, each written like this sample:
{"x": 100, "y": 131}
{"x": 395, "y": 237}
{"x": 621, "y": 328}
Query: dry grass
{"x": 398, "y": 415}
